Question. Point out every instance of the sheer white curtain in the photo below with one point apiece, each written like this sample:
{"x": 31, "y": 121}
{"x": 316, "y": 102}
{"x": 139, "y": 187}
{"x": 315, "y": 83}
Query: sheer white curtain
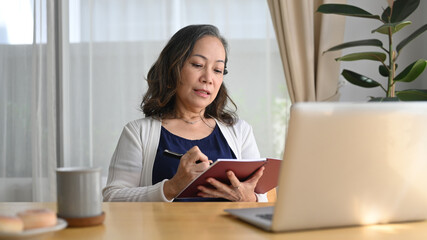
{"x": 112, "y": 44}
{"x": 28, "y": 138}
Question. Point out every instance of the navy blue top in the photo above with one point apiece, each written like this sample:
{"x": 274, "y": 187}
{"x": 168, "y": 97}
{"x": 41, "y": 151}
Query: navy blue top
{"x": 213, "y": 146}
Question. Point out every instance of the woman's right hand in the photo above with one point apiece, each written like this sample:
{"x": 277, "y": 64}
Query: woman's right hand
{"x": 191, "y": 165}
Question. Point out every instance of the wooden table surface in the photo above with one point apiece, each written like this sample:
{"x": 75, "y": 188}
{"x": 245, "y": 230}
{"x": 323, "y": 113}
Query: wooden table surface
{"x": 204, "y": 221}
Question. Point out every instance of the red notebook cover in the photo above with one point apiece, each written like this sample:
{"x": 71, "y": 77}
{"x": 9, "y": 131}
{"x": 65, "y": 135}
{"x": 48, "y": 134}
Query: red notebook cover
{"x": 243, "y": 169}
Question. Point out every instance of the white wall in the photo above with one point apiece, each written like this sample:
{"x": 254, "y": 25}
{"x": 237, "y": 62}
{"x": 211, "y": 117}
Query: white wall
{"x": 359, "y": 28}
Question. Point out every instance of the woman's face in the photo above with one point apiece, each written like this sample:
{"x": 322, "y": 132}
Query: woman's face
{"x": 201, "y": 75}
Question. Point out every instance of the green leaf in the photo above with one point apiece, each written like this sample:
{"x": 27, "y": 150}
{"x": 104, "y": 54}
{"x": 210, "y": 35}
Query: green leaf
{"x": 395, "y": 27}
{"x": 346, "y": 10}
{"x": 411, "y": 72}
{"x": 359, "y": 80}
{"x": 412, "y": 95}
{"x": 384, "y": 99}
{"x": 386, "y": 15}
{"x": 374, "y": 56}
{"x": 411, "y": 37}
{"x": 402, "y": 9}
{"x": 384, "y": 71}
{"x": 368, "y": 42}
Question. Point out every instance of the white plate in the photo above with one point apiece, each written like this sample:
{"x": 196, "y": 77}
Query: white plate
{"x": 35, "y": 233}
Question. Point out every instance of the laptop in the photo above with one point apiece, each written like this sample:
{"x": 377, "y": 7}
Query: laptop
{"x": 349, "y": 164}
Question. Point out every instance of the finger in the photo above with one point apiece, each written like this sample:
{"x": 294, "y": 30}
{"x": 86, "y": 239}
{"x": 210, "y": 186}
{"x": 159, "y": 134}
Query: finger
{"x": 235, "y": 183}
{"x": 221, "y": 187}
{"x": 217, "y": 184}
{"x": 209, "y": 161}
{"x": 214, "y": 193}
{"x": 219, "y": 193}
{"x": 203, "y": 159}
{"x": 206, "y": 195}
{"x": 208, "y": 192}
{"x": 256, "y": 176}
{"x": 195, "y": 155}
{"x": 200, "y": 167}
{"x": 187, "y": 168}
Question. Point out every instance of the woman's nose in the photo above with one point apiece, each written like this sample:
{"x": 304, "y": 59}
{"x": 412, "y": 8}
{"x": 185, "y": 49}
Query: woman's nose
{"x": 207, "y": 77}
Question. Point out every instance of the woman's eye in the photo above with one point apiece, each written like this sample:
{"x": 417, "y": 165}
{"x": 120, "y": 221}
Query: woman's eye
{"x": 197, "y": 65}
{"x": 219, "y": 71}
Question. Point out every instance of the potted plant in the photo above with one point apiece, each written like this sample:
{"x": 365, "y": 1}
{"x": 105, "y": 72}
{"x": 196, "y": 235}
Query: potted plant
{"x": 392, "y": 21}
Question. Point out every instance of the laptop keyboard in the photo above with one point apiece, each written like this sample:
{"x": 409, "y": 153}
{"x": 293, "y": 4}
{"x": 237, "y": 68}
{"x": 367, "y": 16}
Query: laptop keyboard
{"x": 266, "y": 216}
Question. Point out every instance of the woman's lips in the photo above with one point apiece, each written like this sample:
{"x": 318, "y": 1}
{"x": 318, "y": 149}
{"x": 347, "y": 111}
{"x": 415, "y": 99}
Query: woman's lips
{"x": 202, "y": 92}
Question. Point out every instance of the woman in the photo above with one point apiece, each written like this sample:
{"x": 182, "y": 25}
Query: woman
{"x": 185, "y": 112}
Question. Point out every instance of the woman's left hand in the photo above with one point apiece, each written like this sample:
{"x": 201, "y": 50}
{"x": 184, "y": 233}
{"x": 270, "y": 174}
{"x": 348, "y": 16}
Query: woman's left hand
{"x": 236, "y": 192}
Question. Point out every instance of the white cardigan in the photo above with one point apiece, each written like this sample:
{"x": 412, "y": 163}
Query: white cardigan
{"x": 131, "y": 167}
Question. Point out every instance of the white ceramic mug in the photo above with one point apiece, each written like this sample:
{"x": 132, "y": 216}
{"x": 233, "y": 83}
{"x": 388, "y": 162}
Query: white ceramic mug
{"x": 79, "y": 192}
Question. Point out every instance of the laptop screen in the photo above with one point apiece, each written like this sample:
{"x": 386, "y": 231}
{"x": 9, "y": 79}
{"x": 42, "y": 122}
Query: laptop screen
{"x": 353, "y": 164}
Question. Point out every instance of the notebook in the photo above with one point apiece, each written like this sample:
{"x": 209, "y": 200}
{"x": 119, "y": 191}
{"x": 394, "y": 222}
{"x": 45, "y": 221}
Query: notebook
{"x": 243, "y": 170}
{"x": 349, "y": 164}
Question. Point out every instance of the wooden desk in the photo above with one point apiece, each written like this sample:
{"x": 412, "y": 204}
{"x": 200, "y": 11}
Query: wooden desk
{"x": 205, "y": 221}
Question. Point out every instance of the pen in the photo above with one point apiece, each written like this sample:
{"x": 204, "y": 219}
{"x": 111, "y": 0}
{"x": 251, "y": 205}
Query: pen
{"x": 169, "y": 153}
